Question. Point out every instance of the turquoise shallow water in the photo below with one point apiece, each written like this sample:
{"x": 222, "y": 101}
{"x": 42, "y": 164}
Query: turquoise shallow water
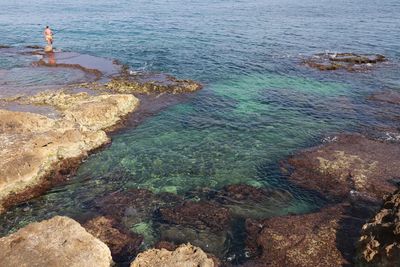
{"x": 258, "y": 106}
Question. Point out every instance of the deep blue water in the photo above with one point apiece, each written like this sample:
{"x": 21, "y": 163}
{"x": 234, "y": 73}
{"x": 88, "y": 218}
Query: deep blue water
{"x": 259, "y": 104}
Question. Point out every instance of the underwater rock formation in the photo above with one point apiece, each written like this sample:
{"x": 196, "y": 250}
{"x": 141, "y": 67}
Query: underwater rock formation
{"x": 34, "y": 147}
{"x": 59, "y": 241}
{"x": 124, "y": 245}
{"x": 344, "y": 61}
{"x": 388, "y": 96}
{"x": 184, "y": 255}
{"x": 351, "y": 165}
{"x": 379, "y": 244}
{"x": 323, "y": 238}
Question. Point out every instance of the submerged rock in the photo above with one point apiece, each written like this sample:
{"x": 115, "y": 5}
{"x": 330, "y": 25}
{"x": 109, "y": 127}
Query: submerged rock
{"x": 34, "y": 147}
{"x": 379, "y": 244}
{"x": 350, "y": 166}
{"x": 184, "y": 255}
{"x": 59, "y": 241}
{"x": 389, "y": 96}
{"x": 123, "y": 244}
{"x": 345, "y": 61}
{"x": 197, "y": 214}
{"x": 151, "y": 84}
{"x": 324, "y": 238}
{"x": 202, "y": 223}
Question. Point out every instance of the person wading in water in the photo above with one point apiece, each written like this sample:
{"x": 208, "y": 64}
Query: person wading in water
{"x": 48, "y": 35}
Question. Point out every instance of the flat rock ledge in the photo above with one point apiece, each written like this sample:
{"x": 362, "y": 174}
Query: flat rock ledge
{"x": 379, "y": 244}
{"x": 57, "y": 242}
{"x": 34, "y": 147}
{"x": 351, "y": 165}
{"x": 185, "y": 255}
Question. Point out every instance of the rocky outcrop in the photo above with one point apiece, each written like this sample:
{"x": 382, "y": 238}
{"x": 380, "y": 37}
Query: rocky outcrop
{"x": 59, "y": 241}
{"x": 151, "y": 83}
{"x": 344, "y": 61}
{"x": 184, "y": 255}
{"x": 324, "y": 238}
{"x": 349, "y": 166}
{"x": 35, "y": 146}
{"x": 379, "y": 244}
{"x": 123, "y": 244}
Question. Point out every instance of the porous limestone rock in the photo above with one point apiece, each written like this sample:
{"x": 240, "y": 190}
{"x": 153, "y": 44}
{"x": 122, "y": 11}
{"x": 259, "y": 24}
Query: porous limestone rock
{"x": 34, "y": 146}
{"x": 379, "y": 244}
{"x": 184, "y": 256}
{"x": 56, "y": 242}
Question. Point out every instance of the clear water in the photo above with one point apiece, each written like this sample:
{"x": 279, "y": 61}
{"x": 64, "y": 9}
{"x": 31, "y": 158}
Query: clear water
{"x": 259, "y": 103}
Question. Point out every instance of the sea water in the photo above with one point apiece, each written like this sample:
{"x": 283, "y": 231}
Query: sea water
{"x": 259, "y": 103}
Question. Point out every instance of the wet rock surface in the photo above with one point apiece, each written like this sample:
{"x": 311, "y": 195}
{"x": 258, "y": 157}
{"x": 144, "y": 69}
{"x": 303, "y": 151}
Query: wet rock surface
{"x": 124, "y": 245}
{"x": 59, "y": 241}
{"x": 343, "y": 61}
{"x": 379, "y": 244}
{"x": 351, "y": 165}
{"x": 34, "y": 146}
{"x": 184, "y": 255}
{"x": 323, "y": 238}
{"x": 151, "y": 84}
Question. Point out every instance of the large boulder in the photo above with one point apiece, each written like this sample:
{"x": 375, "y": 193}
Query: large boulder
{"x": 351, "y": 165}
{"x": 184, "y": 255}
{"x": 379, "y": 244}
{"x": 57, "y": 242}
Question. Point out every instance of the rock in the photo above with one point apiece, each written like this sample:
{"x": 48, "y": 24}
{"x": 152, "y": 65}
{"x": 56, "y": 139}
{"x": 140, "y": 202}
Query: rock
{"x": 134, "y": 206}
{"x": 197, "y": 214}
{"x": 379, "y": 244}
{"x": 324, "y": 238}
{"x": 389, "y": 96}
{"x": 59, "y": 241}
{"x": 247, "y": 201}
{"x": 204, "y": 224}
{"x": 184, "y": 255}
{"x": 123, "y": 244}
{"x": 151, "y": 84}
{"x": 34, "y": 147}
{"x": 352, "y": 165}
{"x": 344, "y": 61}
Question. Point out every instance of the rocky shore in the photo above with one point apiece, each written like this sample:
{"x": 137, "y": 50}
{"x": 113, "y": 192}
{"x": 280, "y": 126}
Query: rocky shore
{"x": 207, "y": 227}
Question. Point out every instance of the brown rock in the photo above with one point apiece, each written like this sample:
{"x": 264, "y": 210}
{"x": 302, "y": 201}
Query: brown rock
{"x": 151, "y": 84}
{"x": 123, "y": 244}
{"x": 379, "y": 244}
{"x": 344, "y": 61}
{"x": 184, "y": 255}
{"x": 351, "y": 165}
{"x": 388, "y": 96}
{"x": 197, "y": 214}
{"x": 59, "y": 241}
{"x": 324, "y": 238}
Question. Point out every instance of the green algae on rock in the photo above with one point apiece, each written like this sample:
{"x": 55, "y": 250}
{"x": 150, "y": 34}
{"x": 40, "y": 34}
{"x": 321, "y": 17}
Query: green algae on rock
{"x": 151, "y": 84}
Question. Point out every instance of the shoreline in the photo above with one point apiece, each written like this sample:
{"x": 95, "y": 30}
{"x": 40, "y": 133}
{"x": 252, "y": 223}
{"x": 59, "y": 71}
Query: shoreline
{"x": 80, "y": 112}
